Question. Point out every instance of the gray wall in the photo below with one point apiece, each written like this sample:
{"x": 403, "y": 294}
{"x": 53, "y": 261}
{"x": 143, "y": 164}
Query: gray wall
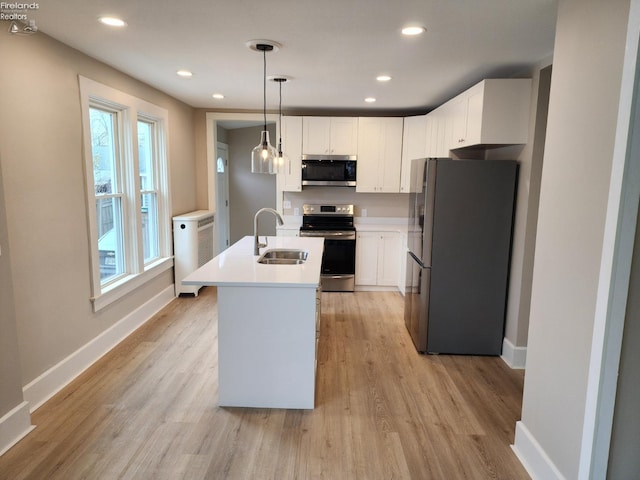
{"x": 10, "y": 379}
{"x": 248, "y": 192}
{"x": 579, "y": 152}
{"x": 624, "y": 461}
{"x": 42, "y": 164}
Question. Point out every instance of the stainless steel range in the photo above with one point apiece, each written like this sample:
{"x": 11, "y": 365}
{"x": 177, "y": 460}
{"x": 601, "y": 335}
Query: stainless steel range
{"x": 335, "y": 224}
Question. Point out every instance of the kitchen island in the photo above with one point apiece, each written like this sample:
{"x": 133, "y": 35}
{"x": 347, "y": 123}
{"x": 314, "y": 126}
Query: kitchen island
{"x": 268, "y": 318}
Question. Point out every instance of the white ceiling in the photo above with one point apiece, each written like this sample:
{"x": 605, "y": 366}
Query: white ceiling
{"x": 332, "y": 49}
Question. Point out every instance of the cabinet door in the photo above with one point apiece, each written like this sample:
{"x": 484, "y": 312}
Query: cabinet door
{"x": 473, "y": 127}
{"x": 370, "y": 133}
{"x": 388, "y": 259}
{"x": 443, "y": 135}
{"x": 367, "y": 258}
{"x": 402, "y": 262}
{"x": 458, "y": 114}
{"x": 389, "y": 168}
{"x": 379, "y": 154}
{"x": 343, "y": 136}
{"x": 292, "y": 148}
{"x": 414, "y": 145}
{"x": 432, "y": 131}
{"x": 316, "y": 135}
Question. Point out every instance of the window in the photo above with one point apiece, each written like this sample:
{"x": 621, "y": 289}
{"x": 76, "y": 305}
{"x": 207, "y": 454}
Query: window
{"x": 149, "y": 190}
{"x": 127, "y": 190}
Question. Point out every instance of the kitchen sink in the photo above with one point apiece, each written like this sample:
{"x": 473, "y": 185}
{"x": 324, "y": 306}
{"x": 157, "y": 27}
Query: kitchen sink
{"x": 283, "y": 257}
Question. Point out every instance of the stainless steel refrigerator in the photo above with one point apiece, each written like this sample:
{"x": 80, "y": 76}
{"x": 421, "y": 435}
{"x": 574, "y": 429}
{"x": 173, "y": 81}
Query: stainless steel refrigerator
{"x": 458, "y": 254}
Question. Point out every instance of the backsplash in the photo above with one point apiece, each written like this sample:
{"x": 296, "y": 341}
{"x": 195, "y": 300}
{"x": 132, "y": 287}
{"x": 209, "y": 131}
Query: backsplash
{"x": 371, "y": 204}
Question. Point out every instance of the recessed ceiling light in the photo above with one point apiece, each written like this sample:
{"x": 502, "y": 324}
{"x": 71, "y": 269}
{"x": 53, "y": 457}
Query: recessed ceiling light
{"x": 369, "y": 99}
{"x": 383, "y": 78}
{"x": 113, "y": 21}
{"x": 184, "y": 73}
{"x": 218, "y": 96}
{"x": 413, "y": 30}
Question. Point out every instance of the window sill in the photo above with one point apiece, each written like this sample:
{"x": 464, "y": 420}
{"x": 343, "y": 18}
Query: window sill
{"x": 128, "y": 284}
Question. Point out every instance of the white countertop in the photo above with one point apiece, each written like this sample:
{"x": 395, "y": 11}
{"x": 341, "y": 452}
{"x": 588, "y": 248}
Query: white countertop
{"x": 237, "y": 266}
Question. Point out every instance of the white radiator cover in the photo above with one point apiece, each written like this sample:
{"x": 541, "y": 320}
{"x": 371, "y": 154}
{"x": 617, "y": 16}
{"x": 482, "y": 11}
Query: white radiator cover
{"x": 192, "y": 246}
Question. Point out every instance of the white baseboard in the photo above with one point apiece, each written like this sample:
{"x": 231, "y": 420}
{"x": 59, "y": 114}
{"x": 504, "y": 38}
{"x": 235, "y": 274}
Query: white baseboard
{"x": 14, "y": 426}
{"x": 533, "y": 457}
{"x": 53, "y": 380}
{"x": 515, "y": 357}
{"x": 375, "y": 288}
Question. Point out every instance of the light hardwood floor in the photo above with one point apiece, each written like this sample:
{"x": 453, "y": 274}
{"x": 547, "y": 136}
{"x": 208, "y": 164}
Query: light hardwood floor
{"x": 147, "y": 410}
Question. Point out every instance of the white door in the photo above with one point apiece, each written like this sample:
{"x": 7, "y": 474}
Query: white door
{"x": 222, "y": 197}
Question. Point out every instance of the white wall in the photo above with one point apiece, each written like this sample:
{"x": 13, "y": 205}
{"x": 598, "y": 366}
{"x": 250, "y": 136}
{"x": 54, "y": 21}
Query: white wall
{"x": 581, "y": 134}
{"x": 42, "y": 164}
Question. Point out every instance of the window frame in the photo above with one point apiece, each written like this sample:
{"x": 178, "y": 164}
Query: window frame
{"x": 129, "y": 110}
{"x": 157, "y": 153}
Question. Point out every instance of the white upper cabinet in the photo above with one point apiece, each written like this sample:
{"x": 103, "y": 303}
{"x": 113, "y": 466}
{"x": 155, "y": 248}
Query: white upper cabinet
{"x": 493, "y": 112}
{"x": 379, "y": 154}
{"x": 415, "y": 138}
{"x": 329, "y": 135}
{"x": 292, "y": 149}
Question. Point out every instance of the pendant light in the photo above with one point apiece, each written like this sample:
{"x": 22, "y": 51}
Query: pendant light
{"x": 281, "y": 159}
{"x": 263, "y": 156}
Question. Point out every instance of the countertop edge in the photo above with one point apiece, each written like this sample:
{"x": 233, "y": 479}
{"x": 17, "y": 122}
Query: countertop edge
{"x": 256, "y": 284}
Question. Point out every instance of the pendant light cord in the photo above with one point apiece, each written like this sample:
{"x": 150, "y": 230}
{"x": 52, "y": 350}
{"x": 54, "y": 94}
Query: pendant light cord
{"x": 280, "y": 118}
{"x": 264, "y": 88}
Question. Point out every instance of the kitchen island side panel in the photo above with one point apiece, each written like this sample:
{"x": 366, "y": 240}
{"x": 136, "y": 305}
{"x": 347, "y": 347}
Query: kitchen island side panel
{"x": 266, "y": 347}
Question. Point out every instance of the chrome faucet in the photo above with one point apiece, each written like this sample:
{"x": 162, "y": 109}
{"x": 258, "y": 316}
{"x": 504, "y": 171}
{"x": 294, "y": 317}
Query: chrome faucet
{"x": 257, "y": 245}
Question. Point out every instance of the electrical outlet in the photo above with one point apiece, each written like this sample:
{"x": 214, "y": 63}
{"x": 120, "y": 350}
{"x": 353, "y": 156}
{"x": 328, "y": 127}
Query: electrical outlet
{"x": 296, "y": 211}
{"x": 286, "y": 204}
{"x": 363, "y": 212}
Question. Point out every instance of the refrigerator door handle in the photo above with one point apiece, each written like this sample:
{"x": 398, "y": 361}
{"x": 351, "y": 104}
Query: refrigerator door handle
{"x": 413, "y": 255}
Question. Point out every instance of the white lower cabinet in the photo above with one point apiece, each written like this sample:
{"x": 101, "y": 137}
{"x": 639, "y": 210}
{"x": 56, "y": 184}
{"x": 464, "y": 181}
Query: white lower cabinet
{"x": 318, "y": 319}
{"x": 378, "y": 259}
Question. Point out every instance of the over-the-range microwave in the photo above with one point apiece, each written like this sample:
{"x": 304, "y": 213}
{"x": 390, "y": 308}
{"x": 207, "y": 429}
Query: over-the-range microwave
{"x": 329, "y": 170}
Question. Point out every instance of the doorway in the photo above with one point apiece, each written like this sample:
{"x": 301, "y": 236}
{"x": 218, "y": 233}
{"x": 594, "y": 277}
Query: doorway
{"x": 226, "y": 196}
{"x": 222, "y": 197}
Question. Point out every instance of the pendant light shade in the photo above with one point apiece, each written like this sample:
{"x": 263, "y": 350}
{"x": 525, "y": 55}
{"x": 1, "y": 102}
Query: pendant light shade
{"x": 263, "y": 156}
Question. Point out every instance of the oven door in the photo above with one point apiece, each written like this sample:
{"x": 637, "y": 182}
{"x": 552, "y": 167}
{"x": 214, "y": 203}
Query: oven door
{"x": 338, "y": 260}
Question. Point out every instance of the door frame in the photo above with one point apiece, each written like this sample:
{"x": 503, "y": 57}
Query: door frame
{"x": 222, "y": 221}
{"x": 212, "y": 119}
{"x": 618, "y": 246}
